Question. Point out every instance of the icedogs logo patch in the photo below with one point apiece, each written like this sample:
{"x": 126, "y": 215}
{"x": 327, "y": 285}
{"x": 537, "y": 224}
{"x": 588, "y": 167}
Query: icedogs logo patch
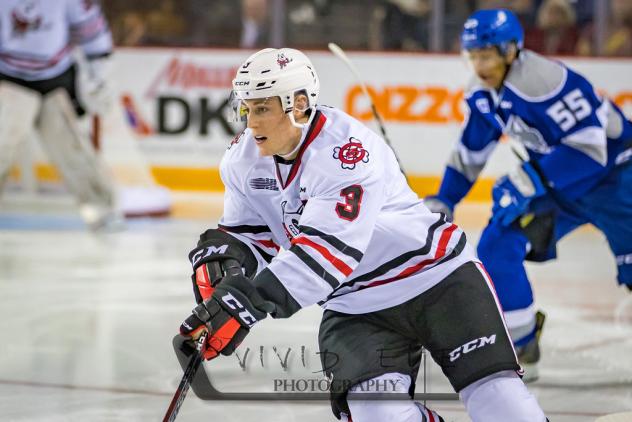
{"x": 282, "y": 60}
{"x": 351, "y": 153}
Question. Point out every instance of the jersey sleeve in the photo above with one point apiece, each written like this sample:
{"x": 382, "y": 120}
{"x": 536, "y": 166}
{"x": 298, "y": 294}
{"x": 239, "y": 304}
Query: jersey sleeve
{"x": 479, "y": 137}
{"x": 88, "y": 28}
{"x": 336, "y": 226}
{"x": 578, "y": 118}
{"x": 240, "y": 220}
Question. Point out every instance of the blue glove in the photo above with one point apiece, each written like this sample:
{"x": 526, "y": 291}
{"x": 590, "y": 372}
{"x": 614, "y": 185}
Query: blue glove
{"x": 513, "y": 193}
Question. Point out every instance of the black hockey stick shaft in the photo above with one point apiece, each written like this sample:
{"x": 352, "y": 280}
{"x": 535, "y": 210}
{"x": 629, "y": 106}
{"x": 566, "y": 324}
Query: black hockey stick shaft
{"x": 339, "y": 52}
{"x": 185, "y": 383}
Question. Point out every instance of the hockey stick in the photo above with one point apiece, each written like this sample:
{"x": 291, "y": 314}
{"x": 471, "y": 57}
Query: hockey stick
{"x": 188, "y": 377}
{"x": 190, "y": 357}
{"x": 202, "y": 387}
{"x": 204, "y": 390}
{"x": 339, "y": 52}
{"x": 96, "y": 132}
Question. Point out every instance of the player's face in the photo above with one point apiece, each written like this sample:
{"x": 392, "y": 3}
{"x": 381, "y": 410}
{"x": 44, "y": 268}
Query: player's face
{"x": 271, "y": 127}
{"x": 489, "y": 65}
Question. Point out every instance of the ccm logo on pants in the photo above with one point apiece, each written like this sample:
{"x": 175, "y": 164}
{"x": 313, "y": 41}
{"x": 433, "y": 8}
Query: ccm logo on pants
{"x": 471, "y": 345}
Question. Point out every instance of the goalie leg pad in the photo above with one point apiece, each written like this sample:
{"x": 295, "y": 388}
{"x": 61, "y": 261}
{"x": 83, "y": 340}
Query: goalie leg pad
{"x": 501, "y": 397}
{"x": 18, "y": 110}
{"x": 73, "y": 154}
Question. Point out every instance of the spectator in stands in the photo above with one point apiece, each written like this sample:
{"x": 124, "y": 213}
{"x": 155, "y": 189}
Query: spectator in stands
{"x": 165, "y": 25}
{"x": 405, "y": 25}
{"x": 524, "y": 9}
{"x": 456, "y": 12}
{"x": 555, "y": 31}
{"x": 129, "y": 28}
{"x": 618, "y": 39}
{"x": 254, "y": 23}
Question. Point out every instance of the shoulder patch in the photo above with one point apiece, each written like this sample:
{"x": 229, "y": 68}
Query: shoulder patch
{"x": 482, "y": 104}
{"x": 535, "y": 77}
{"x": 351, "y": 153}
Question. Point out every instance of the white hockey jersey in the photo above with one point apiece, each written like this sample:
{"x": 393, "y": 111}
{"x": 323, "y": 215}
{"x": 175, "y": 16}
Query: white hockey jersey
{"x": 37, "y": 36}
{"x": 338, "y": 225}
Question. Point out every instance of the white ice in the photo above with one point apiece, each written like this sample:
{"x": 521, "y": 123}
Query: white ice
{"x": 86, "y": 323}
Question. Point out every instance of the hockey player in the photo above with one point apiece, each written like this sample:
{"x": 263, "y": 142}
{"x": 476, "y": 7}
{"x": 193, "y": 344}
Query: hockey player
{"x": 578, "y": 170}
{"x": 317, "y": 211}
{"x": 37, "y": 89}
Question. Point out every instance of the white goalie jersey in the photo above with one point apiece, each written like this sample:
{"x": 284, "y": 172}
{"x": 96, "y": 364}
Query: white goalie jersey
{"x": 37, "y": 36}
{"x": 338, "y": 225}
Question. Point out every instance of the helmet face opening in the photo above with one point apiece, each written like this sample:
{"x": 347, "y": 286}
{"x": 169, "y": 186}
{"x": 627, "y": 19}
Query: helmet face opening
{"x": 487, "y": 28}
{"x": 236, "y": 108}
{"x": 281, "y": 73}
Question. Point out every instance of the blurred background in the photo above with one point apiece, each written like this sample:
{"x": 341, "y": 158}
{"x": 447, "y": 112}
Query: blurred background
{"x": 174, "y": 60}
{"x": 564, "y": 27}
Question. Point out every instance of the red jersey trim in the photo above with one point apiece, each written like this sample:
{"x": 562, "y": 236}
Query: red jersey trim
{"x": 314, "y": 131}
{"x": 336, "y": 262}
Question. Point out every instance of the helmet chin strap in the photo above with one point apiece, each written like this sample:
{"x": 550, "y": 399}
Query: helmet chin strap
{"x": 304, "y": 127}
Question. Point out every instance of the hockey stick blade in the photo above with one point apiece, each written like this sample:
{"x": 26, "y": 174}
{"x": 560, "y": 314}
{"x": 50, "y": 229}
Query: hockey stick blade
{"x": 190, "y": 359}
{"x": 200, "y": 383}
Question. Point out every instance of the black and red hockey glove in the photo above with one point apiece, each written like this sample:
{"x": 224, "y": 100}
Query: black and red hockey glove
{"x": 230, "y": 312}
{"x": 217, "y": 254}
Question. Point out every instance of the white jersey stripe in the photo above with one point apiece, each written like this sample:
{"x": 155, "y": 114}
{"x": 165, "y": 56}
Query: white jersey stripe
{"x": 35, "y": 64}
{"x": 313, "y": 265}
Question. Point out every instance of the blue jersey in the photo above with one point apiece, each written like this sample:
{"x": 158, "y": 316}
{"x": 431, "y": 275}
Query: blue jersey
{"x": 574, "y": 135}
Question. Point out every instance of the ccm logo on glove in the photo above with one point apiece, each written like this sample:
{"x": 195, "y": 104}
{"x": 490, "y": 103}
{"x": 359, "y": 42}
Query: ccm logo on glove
{"x": 205, "y": 252}
{"x": 245, "y": 316}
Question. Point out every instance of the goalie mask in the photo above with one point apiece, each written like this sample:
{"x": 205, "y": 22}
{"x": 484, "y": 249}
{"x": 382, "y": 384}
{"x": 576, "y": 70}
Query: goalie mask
{"x": 272, "y": 72}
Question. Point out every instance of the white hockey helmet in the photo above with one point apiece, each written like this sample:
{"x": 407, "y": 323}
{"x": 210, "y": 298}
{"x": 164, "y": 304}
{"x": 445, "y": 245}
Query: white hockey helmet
{"x": 273, "y": 72}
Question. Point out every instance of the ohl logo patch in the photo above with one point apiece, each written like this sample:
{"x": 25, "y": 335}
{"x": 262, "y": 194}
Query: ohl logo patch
{"x": 351, "y": 153}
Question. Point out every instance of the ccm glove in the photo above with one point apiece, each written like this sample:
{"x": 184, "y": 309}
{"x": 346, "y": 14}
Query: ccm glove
{"x": 513, "y": 193}
{"x": 216, "y": 255}
{"x": 234, "y": 307}
{"x": 436, "y": 204}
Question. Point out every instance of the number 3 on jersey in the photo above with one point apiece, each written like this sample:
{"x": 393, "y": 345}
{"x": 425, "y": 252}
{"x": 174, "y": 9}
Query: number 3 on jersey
{"x": 350, "y": 209}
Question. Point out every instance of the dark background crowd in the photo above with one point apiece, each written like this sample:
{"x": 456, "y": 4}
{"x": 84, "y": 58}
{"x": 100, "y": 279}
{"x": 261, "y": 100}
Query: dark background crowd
{"x": 560, "y": 27}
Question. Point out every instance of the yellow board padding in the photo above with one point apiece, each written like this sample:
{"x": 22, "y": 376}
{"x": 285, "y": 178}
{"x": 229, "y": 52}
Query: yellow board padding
{"x": 208, "y": 180}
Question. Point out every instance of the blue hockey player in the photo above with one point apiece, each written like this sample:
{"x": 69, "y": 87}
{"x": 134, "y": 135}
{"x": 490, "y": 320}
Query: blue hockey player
{"x": 578, "y": 171}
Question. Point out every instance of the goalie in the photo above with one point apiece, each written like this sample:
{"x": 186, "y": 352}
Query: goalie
{"x": 38, "y": 90}
{"x": 389, "y": 274}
